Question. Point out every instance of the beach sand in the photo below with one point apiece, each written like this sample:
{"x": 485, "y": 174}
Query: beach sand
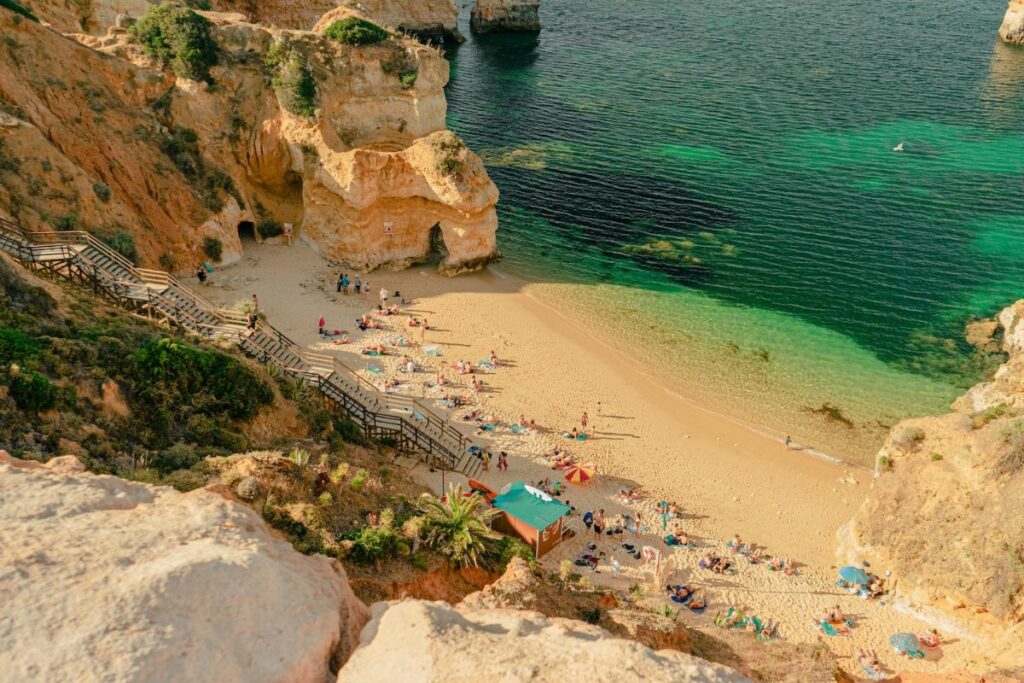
{"x": 728, "y": 477}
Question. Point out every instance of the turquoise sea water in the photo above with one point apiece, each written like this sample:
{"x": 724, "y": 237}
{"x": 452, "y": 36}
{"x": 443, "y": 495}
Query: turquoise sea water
{"x": 725, "y": 170}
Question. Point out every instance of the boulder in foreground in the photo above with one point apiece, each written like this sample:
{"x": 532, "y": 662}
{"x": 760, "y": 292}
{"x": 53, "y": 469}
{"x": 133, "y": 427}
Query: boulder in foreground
{"x": 107, "y": 579}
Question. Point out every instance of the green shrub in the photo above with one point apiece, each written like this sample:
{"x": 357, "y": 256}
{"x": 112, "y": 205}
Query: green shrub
{"x": 372, "y": 544}
{"x": 176, "y": 35}
{"x": 66, "y": 222}
{"x": 123, "y": 242}
{"x": 349, "y": 431}
{"x": 507, "y": 547}
{"x": 268, "y": 227}
{"x": 32, "y": 392}
{"x": 295, "y": 86}
{"x": 167, "y": 262}
{"x": 102, "y": 191}
{"x": 18, "y": 9}
{"x": 185, "y": 480}
{"x": 183, "y": 390}
{"x": 983, "y": 418}
{"x": 407, "y": 78}
{"x": 885, "y": 463}
{"x": 355, "y": 31}
{"x": 17, "y": 347}
{"x": 936, "y": 457}
{"x": 213, "y": 248}
{"x": 359, "y": 480}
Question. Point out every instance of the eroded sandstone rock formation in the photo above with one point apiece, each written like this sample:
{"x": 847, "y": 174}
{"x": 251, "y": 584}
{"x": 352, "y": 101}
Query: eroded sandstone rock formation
{"x": 106, "y": 579}
{"x": 505, "y": 15}
{"x": 428, "y": 642}
{"x": 427, "y": 19}
{"x": 1012, "y": 30}
{"x": 946, "y": 511}
{"x": 98, "y": 136}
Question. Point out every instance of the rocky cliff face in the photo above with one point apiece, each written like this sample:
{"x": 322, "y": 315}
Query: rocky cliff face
{"x": 111, "y": 580}
{"x": 428, "y": 642}
{"x": 1012, "y": 30}
{"x": 97, "y": 136}
{"x": 505, "y": 15}
{"x": 944, "y": 513}
{"x": 428, "y": 19}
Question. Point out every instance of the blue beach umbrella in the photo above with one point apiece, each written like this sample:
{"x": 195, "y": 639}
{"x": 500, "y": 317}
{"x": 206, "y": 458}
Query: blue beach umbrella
{"x": 854, "y": 575}
{"x": 905, "y": 642}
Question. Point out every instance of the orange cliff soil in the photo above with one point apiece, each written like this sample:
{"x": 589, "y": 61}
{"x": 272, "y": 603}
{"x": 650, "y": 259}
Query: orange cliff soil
{"x": 94, "y": 132}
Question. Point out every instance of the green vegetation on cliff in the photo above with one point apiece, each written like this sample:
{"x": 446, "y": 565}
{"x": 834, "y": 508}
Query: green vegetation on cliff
{"x": 292, "y": 80}
{"x": 177, "y": 36}
{"x": 356, "y": 31}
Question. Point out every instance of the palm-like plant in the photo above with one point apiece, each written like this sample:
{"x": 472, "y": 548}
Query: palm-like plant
{"x": 457, "y": 527}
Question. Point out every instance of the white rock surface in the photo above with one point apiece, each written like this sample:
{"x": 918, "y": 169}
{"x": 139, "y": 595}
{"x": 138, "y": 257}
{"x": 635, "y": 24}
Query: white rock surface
{"x": 103, "y": 579}
{"x": 427, "y": 642}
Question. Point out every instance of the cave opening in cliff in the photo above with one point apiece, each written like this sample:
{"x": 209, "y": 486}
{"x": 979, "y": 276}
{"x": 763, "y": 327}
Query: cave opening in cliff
{"x": 246, "y": 232}
{"x": 438, "y": 249}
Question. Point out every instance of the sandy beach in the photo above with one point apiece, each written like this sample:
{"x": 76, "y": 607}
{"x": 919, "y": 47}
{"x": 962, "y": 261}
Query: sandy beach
{"x": 728, "y": 477}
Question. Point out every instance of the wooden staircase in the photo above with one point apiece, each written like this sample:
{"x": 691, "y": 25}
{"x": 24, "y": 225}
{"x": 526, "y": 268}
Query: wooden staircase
{"x": 79, "y": 258}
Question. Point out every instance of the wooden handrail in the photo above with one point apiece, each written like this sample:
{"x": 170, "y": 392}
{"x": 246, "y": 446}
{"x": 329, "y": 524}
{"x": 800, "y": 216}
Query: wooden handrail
{"x": 407, "y": 417}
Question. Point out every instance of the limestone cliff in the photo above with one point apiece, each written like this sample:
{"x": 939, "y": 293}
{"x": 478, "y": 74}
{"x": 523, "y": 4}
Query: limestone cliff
{"x": 99, "y": 136}
{"x": 427, "y": 19}
{"x": 106, "y": 579}
{"x": 1012, "y": 30}
{"x": 505, "y": 15}
{"x": 428, "y": 642}
{"x": 945, "y": 511}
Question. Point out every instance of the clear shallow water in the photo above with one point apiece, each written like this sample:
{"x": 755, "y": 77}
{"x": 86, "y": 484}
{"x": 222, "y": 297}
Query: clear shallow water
{"x": 720, "y": 178}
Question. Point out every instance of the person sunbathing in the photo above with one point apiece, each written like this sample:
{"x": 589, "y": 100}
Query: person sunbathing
{"x": 533, "y": 425}
{"x": 522, "y": 421}
{"x": 441, "y": 380}
{"x": 709, "y": 561}
{"x": 734, "y": 618}
{"x": 790, "y": 569}
{"x": 734, "y": 544}
{"x": 699, "y": 600}
{"x": 930, "y": 639}
{"x": 722, "y": 566}
{"x": 343, "y": 339}
{"x": 768, "y": 629}
{"x": 390, "y": 384}
{"x": 494, "y": 359}
{"x": 414, "y": 322}
{"x": 755, "y": 556}
{"x": 681, "y": 592}
{"x": 394, "y": 310}
{"x": 777, "y": 564}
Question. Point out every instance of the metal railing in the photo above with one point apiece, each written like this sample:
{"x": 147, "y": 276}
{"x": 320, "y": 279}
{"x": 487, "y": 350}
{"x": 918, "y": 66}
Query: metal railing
{"x": 409, "y": 421}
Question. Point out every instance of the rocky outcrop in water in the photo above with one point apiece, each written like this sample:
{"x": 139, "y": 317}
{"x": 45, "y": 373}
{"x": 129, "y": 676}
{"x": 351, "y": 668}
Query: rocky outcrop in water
{"x": 944, "y": 513}
{"x": 505, "y": 15}
{"x": 431, "y": 642}
{"x": 1012, "y": 30}
{"x": 347, "y": 143}
{"x": 106, "y": 579}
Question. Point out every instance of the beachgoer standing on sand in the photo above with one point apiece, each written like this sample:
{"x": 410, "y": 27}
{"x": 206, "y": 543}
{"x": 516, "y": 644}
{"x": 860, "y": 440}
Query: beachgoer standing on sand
{"x": 359, "y": 283}
{"x": 366, "y": 290}
{"x": 584, "y": 419}
{"x": 341, "y": 277}
{"x": 255, "y": 304}
{"x": 599, "y": 522}
{"x": 486, "y": 460}
{"x": 322, "y": 323}
{"x": 252, "y": 321}
{"x": 503, "y": 461}
{"x": 288, "y": 233}
{"x": 598, "y": 407}
{"x": 345, "y": 284}
{"x": 384, "y": 293}
{"x": 788, "y": 441}
{"x": 201, "y": 274}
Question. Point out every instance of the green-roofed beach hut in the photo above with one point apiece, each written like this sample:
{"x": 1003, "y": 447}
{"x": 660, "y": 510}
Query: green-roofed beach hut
{"x": 532, "y": 515}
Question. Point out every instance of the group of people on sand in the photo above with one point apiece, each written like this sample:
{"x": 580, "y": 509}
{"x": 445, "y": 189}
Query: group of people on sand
{"x": 345, "y": 285}
{"x": 755, "y": 554}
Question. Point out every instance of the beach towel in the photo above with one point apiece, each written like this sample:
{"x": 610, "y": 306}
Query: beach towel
{"x": 828, "y": 629}
{"x": 375, "y": 369}
{"x": 517, "y": 429}
{"x": 207, "y": 266}
{"x": 872, "y": 673}
{"x": 433, "y": 351}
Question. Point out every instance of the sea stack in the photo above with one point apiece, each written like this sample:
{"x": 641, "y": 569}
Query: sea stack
{"x": 1012, "y": 30}
{"x": 505, "y": 15}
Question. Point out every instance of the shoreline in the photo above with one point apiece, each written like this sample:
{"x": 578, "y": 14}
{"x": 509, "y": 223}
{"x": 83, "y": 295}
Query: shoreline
{"x": 677, "y": 393}
{"x": 728, "y": 477}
